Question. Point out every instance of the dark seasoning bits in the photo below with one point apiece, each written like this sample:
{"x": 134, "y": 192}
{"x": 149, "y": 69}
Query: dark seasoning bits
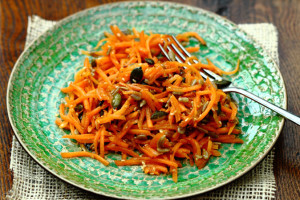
{"x": 136, "y": 75}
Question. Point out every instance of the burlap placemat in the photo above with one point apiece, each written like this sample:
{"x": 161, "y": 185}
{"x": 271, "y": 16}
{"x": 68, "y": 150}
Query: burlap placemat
{"x": 33, "y": 182}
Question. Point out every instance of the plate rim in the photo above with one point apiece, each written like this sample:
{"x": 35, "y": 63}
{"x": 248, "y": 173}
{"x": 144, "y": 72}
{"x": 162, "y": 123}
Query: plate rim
{"x": 60, "y": 22}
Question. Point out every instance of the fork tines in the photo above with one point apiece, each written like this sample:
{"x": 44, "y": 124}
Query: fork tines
{"x": 173, "y": 53}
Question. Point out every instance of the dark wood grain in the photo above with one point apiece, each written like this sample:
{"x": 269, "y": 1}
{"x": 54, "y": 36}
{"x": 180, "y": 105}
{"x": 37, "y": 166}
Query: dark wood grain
{"x": 284, "y": 14}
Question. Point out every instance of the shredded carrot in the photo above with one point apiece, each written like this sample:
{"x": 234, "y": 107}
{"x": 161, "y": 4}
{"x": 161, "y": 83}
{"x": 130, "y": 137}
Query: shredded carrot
{"x": 78, "y": 137}
{"x": 130, "y": 101}
{"x": 84, "y": 154}
{"x": 154, "y": 141}
{"x": 155, "y": 169}
{"x": 147, "y": 150}
{"x": 193, "y": 34}
{"x": 128, "y": 162}
{"x": 148, "y": 117}
{"x": 102, "y": 142}
{"x": 193, "y": 49}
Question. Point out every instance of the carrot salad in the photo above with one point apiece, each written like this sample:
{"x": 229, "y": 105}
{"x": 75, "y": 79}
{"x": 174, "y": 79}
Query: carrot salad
{"x": 131, "y": 100}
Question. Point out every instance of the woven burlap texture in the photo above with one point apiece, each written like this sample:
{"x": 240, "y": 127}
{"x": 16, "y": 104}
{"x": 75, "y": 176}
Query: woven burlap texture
{"x": 33, "y": 182}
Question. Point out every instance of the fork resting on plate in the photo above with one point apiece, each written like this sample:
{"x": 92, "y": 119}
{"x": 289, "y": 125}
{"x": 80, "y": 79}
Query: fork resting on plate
{"x": 222, "y": 83}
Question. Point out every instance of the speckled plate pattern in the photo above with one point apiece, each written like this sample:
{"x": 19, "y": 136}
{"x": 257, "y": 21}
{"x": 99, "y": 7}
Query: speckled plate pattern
{"x": 50, "y": 62}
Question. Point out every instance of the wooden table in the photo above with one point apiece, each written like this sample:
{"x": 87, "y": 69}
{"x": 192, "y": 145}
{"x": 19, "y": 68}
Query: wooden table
{"x": 285, "y": 15}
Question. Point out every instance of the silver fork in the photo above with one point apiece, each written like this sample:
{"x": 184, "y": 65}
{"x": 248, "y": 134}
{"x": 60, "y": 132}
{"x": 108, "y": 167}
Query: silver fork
{"x": 222, "y": 83}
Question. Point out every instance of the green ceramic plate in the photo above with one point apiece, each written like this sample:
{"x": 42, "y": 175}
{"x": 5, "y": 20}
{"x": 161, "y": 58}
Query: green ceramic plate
{"x": 50, "y": 62}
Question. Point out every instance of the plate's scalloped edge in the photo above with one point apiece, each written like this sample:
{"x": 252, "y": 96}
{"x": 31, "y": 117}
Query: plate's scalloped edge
{"x": 210, "y": 14}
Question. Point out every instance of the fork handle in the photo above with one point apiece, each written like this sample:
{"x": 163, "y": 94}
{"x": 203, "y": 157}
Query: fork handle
{"x": 265, "y": 103}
